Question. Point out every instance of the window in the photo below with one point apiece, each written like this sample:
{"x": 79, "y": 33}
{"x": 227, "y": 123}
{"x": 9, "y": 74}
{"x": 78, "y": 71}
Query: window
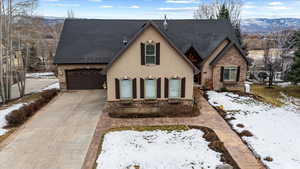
{"x": 126, "y": 89}
{"x": 230, "y": 73}
{"x": 174, "y": 88}
{"x": 150, "y": 54}
{"x": 150, "y": 89}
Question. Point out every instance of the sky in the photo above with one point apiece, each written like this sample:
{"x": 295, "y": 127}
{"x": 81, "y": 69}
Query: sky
{"x": 156, "y": 9}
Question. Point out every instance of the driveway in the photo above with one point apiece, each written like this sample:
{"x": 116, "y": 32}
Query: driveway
{"x": 58, "y": 136}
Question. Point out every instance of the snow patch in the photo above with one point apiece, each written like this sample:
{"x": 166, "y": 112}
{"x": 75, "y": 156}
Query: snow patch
{"x": 39, "y": 75}
{"x": 276, "y": 129}
{"x": 53, "y": 86}
{"x": 5, "y": 112}
{"x": 157, "y": 150}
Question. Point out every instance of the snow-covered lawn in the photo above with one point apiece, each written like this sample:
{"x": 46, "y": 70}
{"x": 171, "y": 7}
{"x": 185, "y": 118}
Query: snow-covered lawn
{"x": 276, "y": 130}
{"x": 5, "y": 112}
{"x": 157, "y": 150}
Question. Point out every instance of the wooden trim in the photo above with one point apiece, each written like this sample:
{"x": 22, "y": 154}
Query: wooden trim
{"x": 222, "y": 74}
{"x": 142, "y": 54}
{"x": 142, "y": 94}
{"x": 158, "y": 87}
{"x": 117, "y": 88}
{"x": 157, "y": 53}
{"x": 166, "y": 88}
{"x": 134, "y": 93}
{"x": 183, "y": 87}
{"x": 238, "y": 74}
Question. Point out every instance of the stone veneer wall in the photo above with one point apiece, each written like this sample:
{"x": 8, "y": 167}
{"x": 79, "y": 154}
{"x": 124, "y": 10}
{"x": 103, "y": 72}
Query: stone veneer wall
{"x": 62, "y": 71}
{"x": 231, "y": 58}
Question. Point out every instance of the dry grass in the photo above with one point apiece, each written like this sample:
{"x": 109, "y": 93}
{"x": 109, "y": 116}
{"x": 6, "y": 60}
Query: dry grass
{"x": 272, "y": 95}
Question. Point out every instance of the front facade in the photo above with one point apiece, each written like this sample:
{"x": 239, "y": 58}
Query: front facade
{"x": 150, "y": 69}
{"x": 142, "y": 62}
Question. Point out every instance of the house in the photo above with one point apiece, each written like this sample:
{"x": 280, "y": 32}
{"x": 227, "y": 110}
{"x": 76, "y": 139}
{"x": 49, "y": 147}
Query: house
{"x": 145, "y": 60}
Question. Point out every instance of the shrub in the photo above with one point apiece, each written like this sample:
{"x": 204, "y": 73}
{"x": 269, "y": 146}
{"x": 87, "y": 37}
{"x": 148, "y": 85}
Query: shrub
{"x": 223, "y": 89}
{"x": 18, "y": 117}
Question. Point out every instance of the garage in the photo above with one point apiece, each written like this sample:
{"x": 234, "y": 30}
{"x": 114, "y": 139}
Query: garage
{"x": 84, "y": 79}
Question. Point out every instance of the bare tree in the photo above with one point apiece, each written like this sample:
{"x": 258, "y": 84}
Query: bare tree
{"x": 211, "y": 10}
{"x": 12, "y": 70}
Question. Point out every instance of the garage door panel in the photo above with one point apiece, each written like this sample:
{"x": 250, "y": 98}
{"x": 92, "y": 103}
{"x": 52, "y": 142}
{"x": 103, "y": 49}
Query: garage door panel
{"x": 84, "y": 79}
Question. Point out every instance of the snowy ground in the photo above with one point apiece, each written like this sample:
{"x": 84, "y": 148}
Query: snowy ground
{"x": 157, "y": 150}
{"x": 40, "y": 75}
{"x": 276, "y": 130}
{"x": 5, "y": 112}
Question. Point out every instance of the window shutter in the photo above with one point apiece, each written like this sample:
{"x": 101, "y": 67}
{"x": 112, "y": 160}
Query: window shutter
{"x": 134, "y": 88}
{"x": 222, "y": 74}
{"x": 158, "y": 88}
{"x": 142, "y": 54}
{"x": 117, "y": 86}
{"x": 142, "y": 88}
{"x": 238, "y": 74}
{"x": 183, "y": 87}
{"x": 158, "y": 53}
{"x": 166, "y": 88}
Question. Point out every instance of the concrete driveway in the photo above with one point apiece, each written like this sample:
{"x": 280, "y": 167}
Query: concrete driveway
{"x": 58, "y": 136}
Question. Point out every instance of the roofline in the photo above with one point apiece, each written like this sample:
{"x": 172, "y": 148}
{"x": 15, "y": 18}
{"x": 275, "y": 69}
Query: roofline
{"x": 145, "y": 26}
{"x": 225, "y": 49}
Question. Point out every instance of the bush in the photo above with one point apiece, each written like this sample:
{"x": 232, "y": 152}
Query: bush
{"x": 18, "y": 117}
{"x": 223, "y": 89}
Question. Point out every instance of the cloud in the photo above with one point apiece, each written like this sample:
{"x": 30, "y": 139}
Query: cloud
{"x": 95, "y": 0}
{"x": 278, "y": 7}
{"x": 249, "y": 6}
{"x": 134, "y": 6}
{"x": 51, "y": 0}
{"x": 106, "y": 6}
{"x": 182, "y": 1}
{"x": 178, "y": 9}
{"x": 275, "y": 3}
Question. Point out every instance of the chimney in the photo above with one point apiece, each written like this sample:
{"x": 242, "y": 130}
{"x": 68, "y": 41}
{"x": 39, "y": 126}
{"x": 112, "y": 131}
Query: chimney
{"x": 165, "y": 23}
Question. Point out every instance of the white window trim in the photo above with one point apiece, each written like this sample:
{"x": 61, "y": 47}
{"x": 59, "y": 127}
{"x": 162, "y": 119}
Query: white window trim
{"x": 145, "y": 91}
{"x": 180, "y": 82}
{"x": 150, "y": 55}
{"x": 230, "y": 67}
{"x": 127, "y": 98}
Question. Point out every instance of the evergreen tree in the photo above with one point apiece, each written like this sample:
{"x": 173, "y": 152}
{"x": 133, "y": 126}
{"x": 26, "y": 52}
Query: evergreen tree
{"x": 223, "y": 13}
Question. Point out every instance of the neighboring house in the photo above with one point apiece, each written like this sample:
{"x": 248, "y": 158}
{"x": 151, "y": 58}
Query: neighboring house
{"x": 149, "y": 60}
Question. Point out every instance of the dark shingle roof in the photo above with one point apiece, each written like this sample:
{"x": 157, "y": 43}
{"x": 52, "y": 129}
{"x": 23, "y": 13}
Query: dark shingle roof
{"x": 99, "y": 41}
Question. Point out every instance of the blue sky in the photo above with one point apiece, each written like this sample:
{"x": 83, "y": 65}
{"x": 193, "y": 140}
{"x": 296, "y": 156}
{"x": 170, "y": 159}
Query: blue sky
{"x": 155, "y": 9}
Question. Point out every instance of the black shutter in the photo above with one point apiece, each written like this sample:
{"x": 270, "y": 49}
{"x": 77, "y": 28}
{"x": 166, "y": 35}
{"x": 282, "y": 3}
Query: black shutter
{"x": 183, "y": 87}
{"x": 142, "y": 88}
{"x": 166, "y": 88}
{"x": 222, "y": 74}
{"x": 238, "y": 74}
{"x": 158, "y": 87}
{"x": 158, "y": 53}
{"x": 142, "y": 54}
{"x": 117, "y": 84}
{"x": 134, "y": 88}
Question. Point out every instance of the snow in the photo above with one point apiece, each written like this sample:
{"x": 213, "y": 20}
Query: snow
{"x": 39, "y": 75}
{"x": 276, "y": 129}
{"x": 53, "y": 86}
{"x": 5, "y": 112}
{"x": 157, "y": 150}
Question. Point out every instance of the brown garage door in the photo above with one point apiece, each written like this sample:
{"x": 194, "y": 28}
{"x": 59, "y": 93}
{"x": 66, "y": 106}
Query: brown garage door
{"x": 83, "y": 79}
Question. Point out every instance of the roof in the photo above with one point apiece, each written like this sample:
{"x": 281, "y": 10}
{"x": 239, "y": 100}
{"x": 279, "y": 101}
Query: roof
{"x": 95, "y": 41}
{"x": 142, "y": 29}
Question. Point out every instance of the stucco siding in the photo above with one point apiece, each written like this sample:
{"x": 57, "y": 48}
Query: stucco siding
{"x": 129, "y": 65}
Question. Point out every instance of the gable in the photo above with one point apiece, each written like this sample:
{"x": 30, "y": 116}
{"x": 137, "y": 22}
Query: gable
{"x": 150, "y": 32}
{"x": 172, "y": 63}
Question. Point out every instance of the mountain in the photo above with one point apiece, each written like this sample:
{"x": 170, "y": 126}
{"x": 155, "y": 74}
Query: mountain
{"x": 264, "y": 25}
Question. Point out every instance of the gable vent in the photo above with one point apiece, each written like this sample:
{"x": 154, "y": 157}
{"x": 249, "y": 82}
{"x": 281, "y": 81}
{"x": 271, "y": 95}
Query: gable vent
{"x": 125, "y": 41}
